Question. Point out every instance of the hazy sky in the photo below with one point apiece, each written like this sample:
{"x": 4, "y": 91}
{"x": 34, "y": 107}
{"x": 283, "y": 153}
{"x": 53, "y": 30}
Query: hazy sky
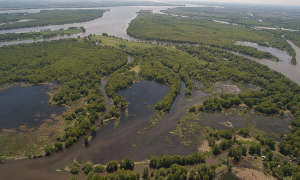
{"x": 280, "y": 2}
{"x": 277, "y": 2}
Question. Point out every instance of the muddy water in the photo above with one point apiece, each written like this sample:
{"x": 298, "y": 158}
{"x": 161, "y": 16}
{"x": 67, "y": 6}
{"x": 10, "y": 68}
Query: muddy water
{"x": 25, "y": 106}
{"x": 114, "y": 22}
{"x": 269, "y": 124}
{"x": 283, "y": 66}
{"x": 282, "y": 55}
{"x": 117, "y": 142}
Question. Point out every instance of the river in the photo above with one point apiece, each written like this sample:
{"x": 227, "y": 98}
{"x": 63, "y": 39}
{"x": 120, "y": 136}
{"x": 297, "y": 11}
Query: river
{"x": 124, "y": 141}
{"x": 283, "y": 66}
{"x": 113, "y": 22}
{"x": 117, "y": 142}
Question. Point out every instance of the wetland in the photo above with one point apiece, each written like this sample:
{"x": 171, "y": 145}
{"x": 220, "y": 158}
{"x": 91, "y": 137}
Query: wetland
{"x": 166, "y": 93}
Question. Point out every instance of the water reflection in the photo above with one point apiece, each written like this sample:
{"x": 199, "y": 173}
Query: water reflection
{"x": 284, "y": 66}
{"x": 114, "y": 22}
{"x": 25, "y": 106}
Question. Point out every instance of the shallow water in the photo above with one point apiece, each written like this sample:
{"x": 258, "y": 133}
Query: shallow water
{"x": 116, "y": 143}
{"x": 142, "y": 97}
{"x": 269, "y": 124}
{"x": 25, "y": 106}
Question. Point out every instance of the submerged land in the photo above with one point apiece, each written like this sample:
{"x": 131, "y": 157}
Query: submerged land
{"x": 189, "y": 98}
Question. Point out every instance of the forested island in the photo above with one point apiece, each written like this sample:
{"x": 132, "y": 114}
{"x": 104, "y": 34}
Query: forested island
{"x": 193, "y": 25}
{"x": 222, "y": 114}
{"x": 47, "y": 17}
{"x": 41, "y": 35}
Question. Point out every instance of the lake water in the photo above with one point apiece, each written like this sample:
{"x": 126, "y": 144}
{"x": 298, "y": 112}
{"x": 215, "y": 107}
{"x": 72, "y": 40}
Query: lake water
{"x": 142, "y": 97}
{"x": 284, "y": 65}
{"x": 25, "y": 106}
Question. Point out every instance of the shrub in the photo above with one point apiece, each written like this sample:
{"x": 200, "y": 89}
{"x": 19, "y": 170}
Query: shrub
{"x": 87, "y": 167}
{"x": 127, "y": 164}
{"x": 99, "y": 168}
{"x": 75, "y": 167}
{"x": 112, "y": 166}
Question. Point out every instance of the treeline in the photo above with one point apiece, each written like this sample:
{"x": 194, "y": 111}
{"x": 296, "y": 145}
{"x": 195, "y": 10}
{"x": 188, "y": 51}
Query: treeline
{"x": 47, "y": 17}
{"x": 165, "y": 167}
{"x": 42, "y": 34}
{"x": 277, "y": 94}
{"x": 201, "y": 30}
{"x": 77, "y": 66}
{"x": 170, "y": 67}
{"x": 167, "y": 161}
{"x": 119, "y": 80}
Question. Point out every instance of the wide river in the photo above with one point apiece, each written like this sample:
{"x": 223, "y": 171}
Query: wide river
{"x": 114, "y": 22}
{"x": 123, "y": 140}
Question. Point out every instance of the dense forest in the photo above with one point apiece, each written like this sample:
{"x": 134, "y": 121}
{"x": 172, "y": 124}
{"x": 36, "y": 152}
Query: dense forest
{"x": 246, "y": 15}
{"x": 78, "y": 65}
{"x": 42, "y": 34}
{"x": 206, "y": 32}
{"x": 47, "y": 17}
{"x": 6, "y": 4}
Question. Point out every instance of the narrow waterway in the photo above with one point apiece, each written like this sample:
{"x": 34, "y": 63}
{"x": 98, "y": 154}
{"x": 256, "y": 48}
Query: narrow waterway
{"x": 116, "y": 143}
{"x": 283, "y": 66}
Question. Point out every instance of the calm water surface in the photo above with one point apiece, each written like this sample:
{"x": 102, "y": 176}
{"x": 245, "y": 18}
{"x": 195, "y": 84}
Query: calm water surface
{"x": 114, "y": 22}
{"x": 269, "y": 124}
{"x": 284, "y": 65}
{"x": 25, "y": 106}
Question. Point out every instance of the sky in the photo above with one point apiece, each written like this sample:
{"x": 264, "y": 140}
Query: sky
{"x": 278, "y": 2}
{"x": 275, "y": 2}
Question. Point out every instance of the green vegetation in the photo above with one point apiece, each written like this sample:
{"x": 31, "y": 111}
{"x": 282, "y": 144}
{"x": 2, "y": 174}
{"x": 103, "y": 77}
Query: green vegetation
{"x": 47, "y": 17}
{"x": 167, "y": 161}
{"x": 77, "y": 66}
{"x": 246, "y": 15}
{"x": 112, "y": 166}
{"x": 6, "y": 4}
{"x": 205, "y": 32}
{"x": 165, "y": 167}
{"x": 41, "y": 35}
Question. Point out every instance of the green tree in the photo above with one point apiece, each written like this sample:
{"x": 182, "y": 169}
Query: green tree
{"x": 87, "y": 167}
{"x": 112, "y": 166}
{"x": 127, "y": 164}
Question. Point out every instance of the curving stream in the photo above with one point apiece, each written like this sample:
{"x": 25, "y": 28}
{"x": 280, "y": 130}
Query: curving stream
{"x": 283, "y": 66}
{"x": 117, "y": 142}
{"x": 124, "y": 141}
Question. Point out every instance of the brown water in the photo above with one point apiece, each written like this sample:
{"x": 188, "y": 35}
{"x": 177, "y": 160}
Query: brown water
{"x": 116, "y": 143}
{"x": 284, "y": 66}
{"x": 269, "y": 124}
{"x": 25, "y": 106}
{"x": 114, "y": 22}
